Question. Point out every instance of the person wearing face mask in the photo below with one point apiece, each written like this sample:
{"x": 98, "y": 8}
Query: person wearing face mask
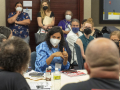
{"x": 52, "y": 51}
{"x": 71, "y": 38}
{"x": 45, "y": 17}
{"x": 19, "y": 22}
{"x": 86, "y": 37}
{"x": 115, "y": 36}
{"x": 65, "y": 24}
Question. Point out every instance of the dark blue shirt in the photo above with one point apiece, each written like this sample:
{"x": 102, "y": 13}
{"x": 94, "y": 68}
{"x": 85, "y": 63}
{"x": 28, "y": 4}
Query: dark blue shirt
{"x": 19, "y": 30}
{"x": 64, "y": 24}
{"x": 85, "y": 41}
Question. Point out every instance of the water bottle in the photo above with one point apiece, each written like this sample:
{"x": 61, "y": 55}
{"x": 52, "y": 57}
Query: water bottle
{"x": 57, "y": 79}
{"x": 48, "y": 73}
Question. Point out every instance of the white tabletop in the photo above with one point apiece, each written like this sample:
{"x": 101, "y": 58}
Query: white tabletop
{"x": 66, "y": 79}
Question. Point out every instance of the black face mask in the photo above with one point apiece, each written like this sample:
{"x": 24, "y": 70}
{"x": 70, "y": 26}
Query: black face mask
{"x": 87, "y": 31}
{"x": 45, "y": 7}
{"x": 117, "y": 43}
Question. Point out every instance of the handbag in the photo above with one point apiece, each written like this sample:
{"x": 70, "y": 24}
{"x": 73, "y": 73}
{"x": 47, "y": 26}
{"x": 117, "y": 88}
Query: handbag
{"x": 74, "y": 62}
{"x": 39, "y": 37}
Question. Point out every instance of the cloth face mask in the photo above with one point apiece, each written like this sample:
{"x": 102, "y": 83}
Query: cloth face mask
{"x": 75, "y": 30}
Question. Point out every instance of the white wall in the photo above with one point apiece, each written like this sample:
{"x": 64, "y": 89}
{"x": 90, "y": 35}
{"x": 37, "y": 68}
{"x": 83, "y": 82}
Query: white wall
{"x": 2, "y": 13}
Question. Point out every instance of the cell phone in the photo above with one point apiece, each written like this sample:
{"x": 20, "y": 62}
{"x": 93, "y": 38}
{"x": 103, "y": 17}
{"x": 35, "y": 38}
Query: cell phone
{"x": 36, "y": 74}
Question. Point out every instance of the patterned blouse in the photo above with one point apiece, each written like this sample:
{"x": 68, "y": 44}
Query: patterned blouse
{"x": 43, "y": 52}
{"x": 19, "y": 30}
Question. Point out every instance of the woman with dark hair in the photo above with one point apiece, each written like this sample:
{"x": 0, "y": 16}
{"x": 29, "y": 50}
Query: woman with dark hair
{"x": 52, "y": 51}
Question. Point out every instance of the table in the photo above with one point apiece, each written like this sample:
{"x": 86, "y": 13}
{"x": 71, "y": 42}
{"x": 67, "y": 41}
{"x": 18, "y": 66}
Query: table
{"x": 66, "y": 79}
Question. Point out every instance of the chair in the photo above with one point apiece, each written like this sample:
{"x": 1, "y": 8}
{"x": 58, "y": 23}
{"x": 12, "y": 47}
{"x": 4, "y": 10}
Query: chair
{"x": 33, "y": 58}
{"x": 68, "y": 50}
{"x": 79, "y": 56}
{"x": 106, "y": 35}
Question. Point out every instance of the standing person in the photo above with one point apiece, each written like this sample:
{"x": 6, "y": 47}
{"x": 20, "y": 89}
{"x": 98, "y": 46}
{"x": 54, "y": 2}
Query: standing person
{"x": 19, "y": 22}
{"x": 45, "y": 17}
{"x": 102, "y": 64}
{"x": 65, "y": 24}
{"x": 14, "y": 60}
{"x": 52, "y": 51}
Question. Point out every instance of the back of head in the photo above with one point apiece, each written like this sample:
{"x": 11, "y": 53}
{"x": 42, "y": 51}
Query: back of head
{"x": 5, "y": 31}
{"x": 90, "y": 21}
{"x": 14, "y": 55}
{"x": 102, "y": 54}
{"x": 2, "y": 37}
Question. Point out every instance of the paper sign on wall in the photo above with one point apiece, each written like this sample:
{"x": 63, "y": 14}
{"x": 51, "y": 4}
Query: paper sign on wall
{"x": 27, "y": 3}
{"x": 29, "y": 11}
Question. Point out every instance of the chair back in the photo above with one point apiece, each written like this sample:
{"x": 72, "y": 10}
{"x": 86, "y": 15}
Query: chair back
{"x": 79, "y": 56}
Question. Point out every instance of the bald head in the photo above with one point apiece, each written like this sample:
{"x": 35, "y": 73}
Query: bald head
{"x": 102, "y": 52}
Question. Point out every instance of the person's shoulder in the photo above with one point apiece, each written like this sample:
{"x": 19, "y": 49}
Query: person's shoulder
{"x": 12, "y": 13}
{"x": 74, "y": 86}
{"x": 42, "y": 46}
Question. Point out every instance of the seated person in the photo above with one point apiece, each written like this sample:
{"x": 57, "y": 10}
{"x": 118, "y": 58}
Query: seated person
{"x": 84, "y": 40}
{"x": 6, "y": 31}
{"x": 95, "y": 32}
{"x": 65, "y": 24}
{"x": 72, "y": 37}
{"x": 81, "y": 29}
{"x": 45, "y": 17}
{"x": 14, "y": 59}
{"x": 115, "y": 36}
{"x": 102, "y": 64}
{"x": 2, "y": 39}
{"x": 52, "y": 51}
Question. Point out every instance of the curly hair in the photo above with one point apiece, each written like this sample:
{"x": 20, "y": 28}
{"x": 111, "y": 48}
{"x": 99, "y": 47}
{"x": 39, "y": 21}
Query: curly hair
{"x": 52, "y": 31}
{"x": 5, "y": 31}
{"x": 14, "y": 55}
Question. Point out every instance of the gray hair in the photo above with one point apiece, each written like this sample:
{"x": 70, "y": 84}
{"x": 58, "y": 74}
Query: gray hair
{"x": 69, "y": 11}
{"x": 75, "y": 20}
{"x": 2, "y": 37}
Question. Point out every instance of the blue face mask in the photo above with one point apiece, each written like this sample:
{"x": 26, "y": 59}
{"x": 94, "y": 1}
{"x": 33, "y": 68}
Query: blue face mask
{"x": 75, "y": 30}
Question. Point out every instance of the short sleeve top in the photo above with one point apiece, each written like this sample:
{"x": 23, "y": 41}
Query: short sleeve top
{"x": 51, "y": 15}
{"x": 17, "y": 29}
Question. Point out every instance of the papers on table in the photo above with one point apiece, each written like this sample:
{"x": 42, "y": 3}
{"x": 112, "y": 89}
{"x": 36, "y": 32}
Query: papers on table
{"x": 27, "y": 76}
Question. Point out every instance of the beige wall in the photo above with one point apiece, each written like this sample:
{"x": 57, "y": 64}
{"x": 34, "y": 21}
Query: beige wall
{"x": 87, "y": 9}
{"x": 2, "y": 13}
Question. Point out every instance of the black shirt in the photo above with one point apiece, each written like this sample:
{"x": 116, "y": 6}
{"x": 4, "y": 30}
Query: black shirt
{"x": 51, "y": 15}
{"x": 94, "y": 84}
{"x": 12, "y": 81}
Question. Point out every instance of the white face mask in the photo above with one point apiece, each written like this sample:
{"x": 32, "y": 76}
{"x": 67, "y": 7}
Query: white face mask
{"x": 54, "y": 42}
{"x": 19, "y": 9}
{"x": 68, "y": 17}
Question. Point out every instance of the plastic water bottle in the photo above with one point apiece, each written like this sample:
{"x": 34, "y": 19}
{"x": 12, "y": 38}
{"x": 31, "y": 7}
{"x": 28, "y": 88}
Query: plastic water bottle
{"x": 48, "y": 73}
{"x": 57, "y": 79}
